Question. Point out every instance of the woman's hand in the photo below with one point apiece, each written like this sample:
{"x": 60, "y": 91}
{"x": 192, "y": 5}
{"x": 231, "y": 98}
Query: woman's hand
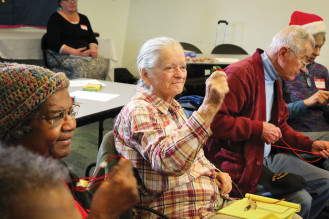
{"x": 81, "y": 52}
{"x": 317, "y": 99}
{"x": 94, "y": 54}
{"x": 224, "y": 183}
{"x": 216, "y": 89}
{"x": 93, "y": 47}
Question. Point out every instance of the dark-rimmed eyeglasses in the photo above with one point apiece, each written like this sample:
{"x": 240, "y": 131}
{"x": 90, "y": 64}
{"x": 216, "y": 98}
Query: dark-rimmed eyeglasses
{"x": 59, "y": 117}
{"x": 303, "y": 63}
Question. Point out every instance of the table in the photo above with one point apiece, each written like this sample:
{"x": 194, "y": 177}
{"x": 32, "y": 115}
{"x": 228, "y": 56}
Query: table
{"x": 198, "y": 71}
{"x": 222, "y": 60}
{"x": 26, "y": 44}
{"x": 197, "y": 68}
{"x": 97, "y": 111}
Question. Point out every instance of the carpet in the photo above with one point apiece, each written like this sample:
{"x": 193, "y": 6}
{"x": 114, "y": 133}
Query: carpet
{"x": 84, "y": 147}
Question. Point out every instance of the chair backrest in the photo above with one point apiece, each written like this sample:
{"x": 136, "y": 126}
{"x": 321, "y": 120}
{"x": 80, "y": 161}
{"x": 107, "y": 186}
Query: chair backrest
{"x": 106, "y": 150}
{"x": 123, "y": 75}
{"x": 44, "y": 42}
{"x": 190, "y": 47}
{"x": 228, "y": 49}
{"x": 44, "y": 49}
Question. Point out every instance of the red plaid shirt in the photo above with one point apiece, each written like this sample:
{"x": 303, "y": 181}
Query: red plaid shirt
{"x": 166, "y": 149}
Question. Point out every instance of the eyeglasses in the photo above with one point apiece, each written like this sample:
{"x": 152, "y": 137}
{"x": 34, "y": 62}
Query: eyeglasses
{"x": 301, "y": 61}
{"x": 70, "y": 1}
{"x": 59, "y": 117}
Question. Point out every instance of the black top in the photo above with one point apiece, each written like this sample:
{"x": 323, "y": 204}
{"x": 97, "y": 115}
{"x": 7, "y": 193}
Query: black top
{"x": 83, "y": 198}
{"x": 60, "y": 31}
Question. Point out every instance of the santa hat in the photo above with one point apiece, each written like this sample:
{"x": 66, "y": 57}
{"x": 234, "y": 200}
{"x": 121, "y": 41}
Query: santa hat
{"x": 313, "y": 23}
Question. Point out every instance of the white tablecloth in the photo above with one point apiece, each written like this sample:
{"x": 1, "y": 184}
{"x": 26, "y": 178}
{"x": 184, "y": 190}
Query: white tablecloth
{"x": 15, "y": 44}
{"x": 23, "y": 44}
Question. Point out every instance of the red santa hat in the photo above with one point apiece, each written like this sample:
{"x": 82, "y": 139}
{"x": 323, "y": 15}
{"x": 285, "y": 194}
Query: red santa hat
{"x": 313, "y": 23}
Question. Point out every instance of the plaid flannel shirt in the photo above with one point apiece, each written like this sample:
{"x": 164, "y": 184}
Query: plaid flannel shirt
{"x": 166, "y": 148}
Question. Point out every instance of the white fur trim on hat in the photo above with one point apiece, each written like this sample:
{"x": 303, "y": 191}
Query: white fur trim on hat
{"x": 313, "y": 23}
{"x": 316, "y": 27}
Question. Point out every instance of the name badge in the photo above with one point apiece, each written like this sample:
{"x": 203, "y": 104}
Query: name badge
{"x": 166, "y": 123}
{"x": 83, "y": 27}
{"x": 168, "y": 127}
{"x": 320, "y": 83}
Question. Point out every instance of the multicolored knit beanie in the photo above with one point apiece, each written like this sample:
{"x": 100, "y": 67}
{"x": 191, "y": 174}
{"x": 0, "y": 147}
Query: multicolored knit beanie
{"x": 23, "y": 88}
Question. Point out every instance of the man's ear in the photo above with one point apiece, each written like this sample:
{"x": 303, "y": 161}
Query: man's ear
{"x": 284, "y": 53}
{"x": 145, "y": 78}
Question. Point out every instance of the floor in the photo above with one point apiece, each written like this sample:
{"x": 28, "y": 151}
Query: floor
{"x": 84, "y": 146}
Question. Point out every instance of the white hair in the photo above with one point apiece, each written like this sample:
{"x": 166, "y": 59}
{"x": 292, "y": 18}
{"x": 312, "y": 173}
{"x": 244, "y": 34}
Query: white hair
{"x": 293, "y": 37}
{"x": 22, "y": 173}
{"x": 150, "y": 52}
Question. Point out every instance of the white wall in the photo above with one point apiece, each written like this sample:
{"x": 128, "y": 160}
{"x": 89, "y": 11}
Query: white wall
{"x": 109, "y": 18}
{"x": 252, "y": 23}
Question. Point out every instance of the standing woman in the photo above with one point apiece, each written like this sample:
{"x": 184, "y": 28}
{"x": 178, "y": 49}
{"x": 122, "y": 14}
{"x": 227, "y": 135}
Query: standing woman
{"x": 70, "y": 33}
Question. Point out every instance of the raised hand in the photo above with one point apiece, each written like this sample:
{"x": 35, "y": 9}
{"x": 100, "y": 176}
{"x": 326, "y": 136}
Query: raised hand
{"x": 216, "y": 89}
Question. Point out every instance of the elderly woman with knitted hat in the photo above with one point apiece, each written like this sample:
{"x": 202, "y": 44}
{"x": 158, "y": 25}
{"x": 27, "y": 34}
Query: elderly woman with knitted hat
{"x": 36, "y": 112}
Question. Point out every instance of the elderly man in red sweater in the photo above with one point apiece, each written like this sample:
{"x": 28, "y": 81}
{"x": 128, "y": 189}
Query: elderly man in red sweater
{"x": 253, "y": 118}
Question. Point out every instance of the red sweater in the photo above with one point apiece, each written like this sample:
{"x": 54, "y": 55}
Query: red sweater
{"x": 236, "y": 145}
